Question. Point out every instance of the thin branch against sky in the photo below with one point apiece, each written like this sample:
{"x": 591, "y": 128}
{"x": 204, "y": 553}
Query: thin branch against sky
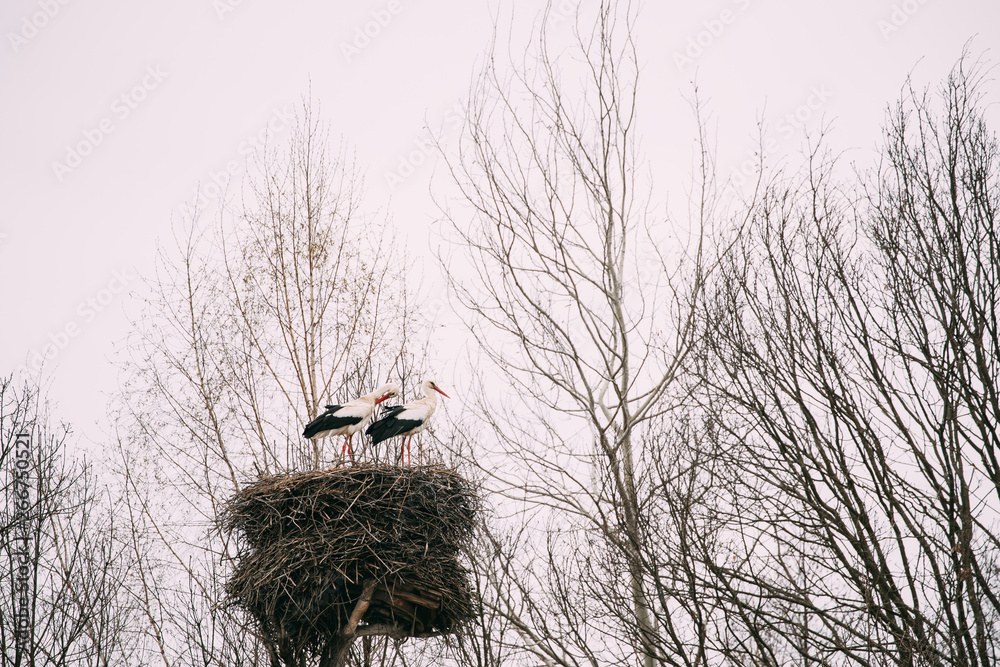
{"x": 149, "y": 110}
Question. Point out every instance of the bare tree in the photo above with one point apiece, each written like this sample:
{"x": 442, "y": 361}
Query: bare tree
{"x": 587, "y": 322}
{"x": 65, "y": 600}
{"x": 854, "y": 378}
{"x": 788, "y": 453}
{"x": 293, "y": 301}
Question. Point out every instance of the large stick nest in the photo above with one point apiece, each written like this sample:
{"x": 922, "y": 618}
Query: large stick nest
{"x": 312, "y": 541}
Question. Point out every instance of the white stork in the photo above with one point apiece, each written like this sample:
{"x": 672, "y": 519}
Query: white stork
{"x": 406, "y": 420}
{"x": 349, "y": 418}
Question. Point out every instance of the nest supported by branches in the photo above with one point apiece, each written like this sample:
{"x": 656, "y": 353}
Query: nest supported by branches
{"x": 325, "y": 555}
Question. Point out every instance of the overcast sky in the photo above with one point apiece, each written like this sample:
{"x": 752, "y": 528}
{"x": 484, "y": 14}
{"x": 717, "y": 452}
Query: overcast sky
{"x": 113, "y": 113}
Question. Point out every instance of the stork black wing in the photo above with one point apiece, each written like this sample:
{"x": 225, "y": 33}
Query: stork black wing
{"x": 329, "y": 421}
{"x": 390, "y": 426}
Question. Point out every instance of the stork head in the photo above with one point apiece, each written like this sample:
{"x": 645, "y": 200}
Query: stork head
{"x": 431, "y": 384}
{"x": 387, "y": 391}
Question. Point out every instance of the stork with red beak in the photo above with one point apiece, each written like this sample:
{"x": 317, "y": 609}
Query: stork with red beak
{"x": 406, "y": 420}
{"x": 349, "y": 418}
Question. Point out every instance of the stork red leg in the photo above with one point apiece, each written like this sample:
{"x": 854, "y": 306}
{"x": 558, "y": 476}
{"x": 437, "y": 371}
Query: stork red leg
{"x": 346, "y": 448}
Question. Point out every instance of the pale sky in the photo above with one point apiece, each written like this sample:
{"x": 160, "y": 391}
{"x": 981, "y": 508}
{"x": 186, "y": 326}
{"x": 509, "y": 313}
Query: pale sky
{"x": 113, "y": 113}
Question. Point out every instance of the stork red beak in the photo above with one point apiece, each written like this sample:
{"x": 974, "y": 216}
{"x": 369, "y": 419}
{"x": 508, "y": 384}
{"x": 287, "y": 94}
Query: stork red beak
{"x": 382, "y": 399}
{"x": 440, "y": 392}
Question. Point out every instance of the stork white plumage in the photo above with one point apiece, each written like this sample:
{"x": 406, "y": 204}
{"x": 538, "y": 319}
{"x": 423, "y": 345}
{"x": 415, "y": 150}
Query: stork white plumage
{"x": 349, "y": 418}
{"x": 406, "y": 420}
